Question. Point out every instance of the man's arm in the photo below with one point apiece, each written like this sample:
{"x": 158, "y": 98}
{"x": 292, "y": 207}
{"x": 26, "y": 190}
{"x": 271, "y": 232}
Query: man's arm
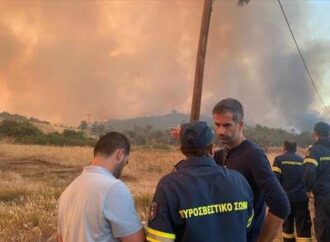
{"x": 120, "y": 211}
{"x": 276, "y": 198}
{"x": 277, "y": 168}
{"x": 309, "y": 177}
{"x": 59, "y": 238}
{"x": 271, "y": 227}
{"x": 310, "y": 164}
{"x": 160, "y": 227}
{"x": 136, "y": 237}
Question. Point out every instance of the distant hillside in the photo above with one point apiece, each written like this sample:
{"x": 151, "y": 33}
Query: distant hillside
{"x": 158, "y": 122}
{"x": 45, "y": 126}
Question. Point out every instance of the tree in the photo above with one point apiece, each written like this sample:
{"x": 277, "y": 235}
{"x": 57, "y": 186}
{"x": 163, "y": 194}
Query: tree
{"x": 83, "y": 125}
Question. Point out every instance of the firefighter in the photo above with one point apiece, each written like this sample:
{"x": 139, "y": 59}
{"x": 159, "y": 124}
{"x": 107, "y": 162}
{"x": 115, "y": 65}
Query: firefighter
{"x": 200, "y": 201}
{"x": 317, "y": 179}
{"x": 288, "y": 168}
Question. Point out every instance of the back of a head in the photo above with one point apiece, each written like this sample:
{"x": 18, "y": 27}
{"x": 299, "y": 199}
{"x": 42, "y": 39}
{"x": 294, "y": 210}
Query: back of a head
{"x": 290, "y": 146}
{"x": 196, "y": 138}
{"x": 322, "y": 129}
{"x": 110, "y": 142}
{"x": 230, "y": 105}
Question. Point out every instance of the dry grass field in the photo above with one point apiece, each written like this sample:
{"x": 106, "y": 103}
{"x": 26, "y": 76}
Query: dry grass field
{"x": 33, "y": 177}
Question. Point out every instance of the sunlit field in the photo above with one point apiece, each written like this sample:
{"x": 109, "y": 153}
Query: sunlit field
{"x": 33, "y": 177}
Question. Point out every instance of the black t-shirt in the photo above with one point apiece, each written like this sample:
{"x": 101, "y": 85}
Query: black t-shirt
{"x": 251, "y": 161}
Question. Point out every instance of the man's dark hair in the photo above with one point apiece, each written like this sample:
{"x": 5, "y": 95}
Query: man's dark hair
{"x": 290, "y": 146}
{"x": 110, "y": 142}
{"x": 322, "y": 129}
{"x": 230, "y": 105}
{"x": 189, "y": 152}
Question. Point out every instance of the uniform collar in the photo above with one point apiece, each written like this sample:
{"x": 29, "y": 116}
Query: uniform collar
{"x": 324, "y": 142}
{"x": 98, "y": 169}
{"x": 289, "y": 153}
{"x": 196, "y": 161}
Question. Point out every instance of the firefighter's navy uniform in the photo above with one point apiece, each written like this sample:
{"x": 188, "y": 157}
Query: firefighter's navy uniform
{"x": 200, "y": 202}
{"x": 317, "y": 180}
{"x": 289, "y": 170}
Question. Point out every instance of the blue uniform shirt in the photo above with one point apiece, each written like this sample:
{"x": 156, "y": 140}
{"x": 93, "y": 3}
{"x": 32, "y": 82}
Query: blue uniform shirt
{"x": 317, "y": 170}
{"x": 201, "y": 202}
{"x": 289, "y": 170}
{"x": 251, "y": 161}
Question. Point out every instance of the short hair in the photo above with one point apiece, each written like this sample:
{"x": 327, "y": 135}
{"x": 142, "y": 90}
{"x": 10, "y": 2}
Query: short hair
{"x": 196, "y": 151}
{"x": 110, "y": 142}
{"x": 290, "y": 146}
{"x": 230, "y": 105}
{"x": 322, "y": 129}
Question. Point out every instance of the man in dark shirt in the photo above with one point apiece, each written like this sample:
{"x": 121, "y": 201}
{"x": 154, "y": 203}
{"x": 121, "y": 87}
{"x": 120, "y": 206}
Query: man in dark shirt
{"x": 250, "y": 160}
{"x": 288, "y": 168}
{"x": 317, "y": 179}
{"x": 200, "y": 201}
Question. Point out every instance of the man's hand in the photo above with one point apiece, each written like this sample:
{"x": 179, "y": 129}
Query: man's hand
{"x": 271, "y": 226}
{"x": 59, "y": 238}
{"x": 310, "y": 195}
{"x": 175, "y": 132}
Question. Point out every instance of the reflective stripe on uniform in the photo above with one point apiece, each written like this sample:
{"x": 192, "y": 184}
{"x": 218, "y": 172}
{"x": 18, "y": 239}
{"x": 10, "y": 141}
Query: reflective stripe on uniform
{"x": 159, "y": 236}
{"x": 325, "y": 158}
{"x": 250, "y": 220}
{"x": 277, "y": 169}
{"x": 302, "y": 239}
{"x": 294, "y": 163}
{"x": 288, "y": 236}
{"x": 310, "y": 160}
{"x": 151, "y": 239}
{"x": 155, "y": 238}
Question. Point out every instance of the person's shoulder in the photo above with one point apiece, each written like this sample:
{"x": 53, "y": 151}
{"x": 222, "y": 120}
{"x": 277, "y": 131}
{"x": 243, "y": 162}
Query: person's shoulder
{"x": 71, "y": 188}
{"x": 117, "y": 187}
{"x": 168, "y": 178}
{"x": 253, "y": 149}
{"x": 237, "y": 178}
{"x": 313, "y": 149}
{"x": 279, "y": 157}
{"x": 297, "y": 157}
{"x": 252, "y": 145}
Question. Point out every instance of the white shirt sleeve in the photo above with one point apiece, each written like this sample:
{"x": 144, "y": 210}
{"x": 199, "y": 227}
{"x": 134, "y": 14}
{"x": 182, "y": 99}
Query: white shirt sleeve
{"x": 120, "y": 211}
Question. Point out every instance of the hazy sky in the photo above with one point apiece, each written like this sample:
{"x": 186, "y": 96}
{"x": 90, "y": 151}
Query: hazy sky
{"x": 119, "y": 59}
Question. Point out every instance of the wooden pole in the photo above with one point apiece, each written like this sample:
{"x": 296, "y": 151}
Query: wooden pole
{"x": 199, "y": 72}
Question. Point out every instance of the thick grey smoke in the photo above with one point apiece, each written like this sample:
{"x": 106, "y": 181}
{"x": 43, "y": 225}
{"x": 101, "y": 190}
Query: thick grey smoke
{"x": 120, "y": 59}
{"x": 261, "y": 65}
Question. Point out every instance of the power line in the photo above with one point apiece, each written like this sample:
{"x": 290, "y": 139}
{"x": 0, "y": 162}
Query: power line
{"x": 303, "y": 60}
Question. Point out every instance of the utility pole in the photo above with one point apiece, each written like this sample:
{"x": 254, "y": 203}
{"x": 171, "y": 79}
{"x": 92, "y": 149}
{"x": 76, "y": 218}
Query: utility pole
{"x": 199, "y": 72}
{"x": 88, "y": 117}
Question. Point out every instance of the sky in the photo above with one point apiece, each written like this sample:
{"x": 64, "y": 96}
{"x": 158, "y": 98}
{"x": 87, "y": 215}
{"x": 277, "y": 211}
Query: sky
{"x": 60, "y": 60}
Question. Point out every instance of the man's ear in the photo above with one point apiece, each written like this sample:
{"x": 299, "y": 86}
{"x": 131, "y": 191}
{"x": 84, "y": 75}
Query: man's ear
{"x": 120, "y": 154}
{"x": 212, "y": 150}
{"x": 241, "y": 124}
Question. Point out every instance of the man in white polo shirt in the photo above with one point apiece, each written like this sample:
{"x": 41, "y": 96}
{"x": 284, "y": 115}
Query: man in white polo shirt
{"x": 97, "y": 206}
